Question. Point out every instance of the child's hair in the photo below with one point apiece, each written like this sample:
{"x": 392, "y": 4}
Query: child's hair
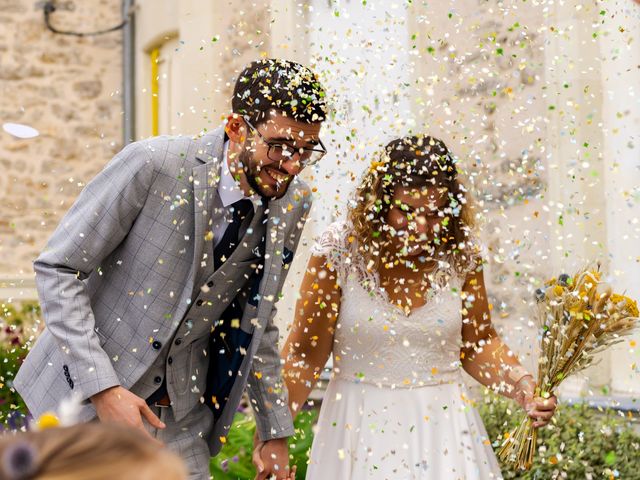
{"x": 413, "y": 161}
{"x": 91, "y": 451}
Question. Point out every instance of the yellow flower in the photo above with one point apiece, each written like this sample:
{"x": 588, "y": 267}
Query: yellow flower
{"x": 558, "y": 290}
{"x": 375, "y": 164}
{"x": 629, "y": 303}
{"x": 47, "y": 420}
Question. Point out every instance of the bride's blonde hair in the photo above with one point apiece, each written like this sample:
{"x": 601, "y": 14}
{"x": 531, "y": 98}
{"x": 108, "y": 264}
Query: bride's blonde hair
{"x": 412, "y": 161}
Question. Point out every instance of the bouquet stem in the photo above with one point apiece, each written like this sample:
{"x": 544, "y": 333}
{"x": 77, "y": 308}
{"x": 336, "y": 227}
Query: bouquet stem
{"x": 519, "y": 448}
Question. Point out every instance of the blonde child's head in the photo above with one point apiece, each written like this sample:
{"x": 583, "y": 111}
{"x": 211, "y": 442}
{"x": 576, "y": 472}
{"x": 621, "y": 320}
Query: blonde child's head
{"x": 92, "y": 451}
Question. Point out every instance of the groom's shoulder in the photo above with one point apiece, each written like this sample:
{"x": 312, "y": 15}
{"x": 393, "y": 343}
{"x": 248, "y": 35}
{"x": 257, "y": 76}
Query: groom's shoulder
{"x": 171, "y": 153}
{"x": 163, "y": 148}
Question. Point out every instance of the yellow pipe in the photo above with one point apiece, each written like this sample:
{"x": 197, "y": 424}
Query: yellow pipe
{"x": 155, "y": 119}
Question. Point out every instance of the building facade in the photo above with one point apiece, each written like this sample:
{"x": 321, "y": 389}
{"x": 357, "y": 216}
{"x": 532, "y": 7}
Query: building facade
{"x": 538, "y": 102}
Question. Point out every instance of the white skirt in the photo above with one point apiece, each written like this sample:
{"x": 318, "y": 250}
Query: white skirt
{"x": 370, "y": 432}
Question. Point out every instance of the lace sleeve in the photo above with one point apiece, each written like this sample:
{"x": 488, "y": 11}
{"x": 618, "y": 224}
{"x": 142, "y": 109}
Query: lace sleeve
{"x": 474, "y": 253}
{"x": 333, "y": 245}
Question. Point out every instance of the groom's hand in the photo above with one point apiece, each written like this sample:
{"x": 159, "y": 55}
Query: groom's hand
{"x": 117, "y": 404}
{"x": 272, "y": 458}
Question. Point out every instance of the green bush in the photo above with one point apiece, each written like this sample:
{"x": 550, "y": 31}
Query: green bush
{"x": 581, "y": 443}
{"x": 15, "y": 327}
{"x": 234, "y": 460}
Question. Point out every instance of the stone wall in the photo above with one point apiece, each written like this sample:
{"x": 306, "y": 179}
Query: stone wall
{"x": 68, "y": 88}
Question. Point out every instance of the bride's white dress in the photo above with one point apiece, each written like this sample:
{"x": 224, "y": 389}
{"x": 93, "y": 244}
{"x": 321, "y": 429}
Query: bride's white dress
{"x": 396, "y": 406}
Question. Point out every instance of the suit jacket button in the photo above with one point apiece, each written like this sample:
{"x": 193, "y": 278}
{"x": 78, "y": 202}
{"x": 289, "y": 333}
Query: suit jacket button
{"x": 178, "y": 341}
{"x": 170, "y": 360}
{"x": 210, "y": 284}
{"x": 199, "y": 303}
{"x": 158, "y": 379}
{"x": 156, "y": 345}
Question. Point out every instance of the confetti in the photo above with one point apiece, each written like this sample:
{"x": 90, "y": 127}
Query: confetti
{"x": 20, "y": 131}
{"x": 468, "y": 151}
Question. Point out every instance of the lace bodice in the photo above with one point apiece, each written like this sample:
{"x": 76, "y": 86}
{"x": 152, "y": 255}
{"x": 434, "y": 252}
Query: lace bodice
{"x": 375, "y": 341}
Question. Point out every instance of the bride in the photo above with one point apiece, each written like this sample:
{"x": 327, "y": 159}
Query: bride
{"x": 396, "y": 293}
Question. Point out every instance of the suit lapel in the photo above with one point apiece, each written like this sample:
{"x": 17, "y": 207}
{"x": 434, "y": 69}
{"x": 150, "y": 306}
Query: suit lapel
{"x": 206, "y": 177}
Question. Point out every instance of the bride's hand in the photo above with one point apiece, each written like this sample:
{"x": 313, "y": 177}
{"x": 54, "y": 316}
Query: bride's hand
{"x": 539, "y": 409}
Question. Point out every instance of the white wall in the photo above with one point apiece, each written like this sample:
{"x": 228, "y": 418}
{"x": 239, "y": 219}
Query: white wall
{"x": 620, "y": 77}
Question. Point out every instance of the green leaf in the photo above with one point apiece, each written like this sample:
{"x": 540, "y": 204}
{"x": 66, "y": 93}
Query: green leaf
{"x": 610, "y": 458}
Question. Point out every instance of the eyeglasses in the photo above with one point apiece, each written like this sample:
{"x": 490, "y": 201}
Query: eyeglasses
{"x": 283, "y": 152}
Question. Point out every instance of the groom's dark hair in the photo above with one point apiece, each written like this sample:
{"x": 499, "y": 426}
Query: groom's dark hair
{"x": 281, "y": 85}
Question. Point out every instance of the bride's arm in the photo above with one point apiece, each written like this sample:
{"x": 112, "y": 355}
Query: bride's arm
{"x": 310, "y": 340}
{"x": 490, "y": 361}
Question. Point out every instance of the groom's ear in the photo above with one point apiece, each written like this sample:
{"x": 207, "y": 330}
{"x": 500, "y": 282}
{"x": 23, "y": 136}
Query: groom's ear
{"x": 235, "y": 128}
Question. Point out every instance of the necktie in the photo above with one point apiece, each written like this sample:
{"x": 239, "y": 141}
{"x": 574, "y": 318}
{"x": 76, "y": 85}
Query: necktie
{"x": 229, "y": 240}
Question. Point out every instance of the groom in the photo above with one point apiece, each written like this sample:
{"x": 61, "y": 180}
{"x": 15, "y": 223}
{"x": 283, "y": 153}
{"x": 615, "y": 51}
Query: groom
{"x": 158, "y": 286}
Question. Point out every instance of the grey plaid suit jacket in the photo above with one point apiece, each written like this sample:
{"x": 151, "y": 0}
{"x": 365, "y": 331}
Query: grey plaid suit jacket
{"x": 124, "y": 266}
